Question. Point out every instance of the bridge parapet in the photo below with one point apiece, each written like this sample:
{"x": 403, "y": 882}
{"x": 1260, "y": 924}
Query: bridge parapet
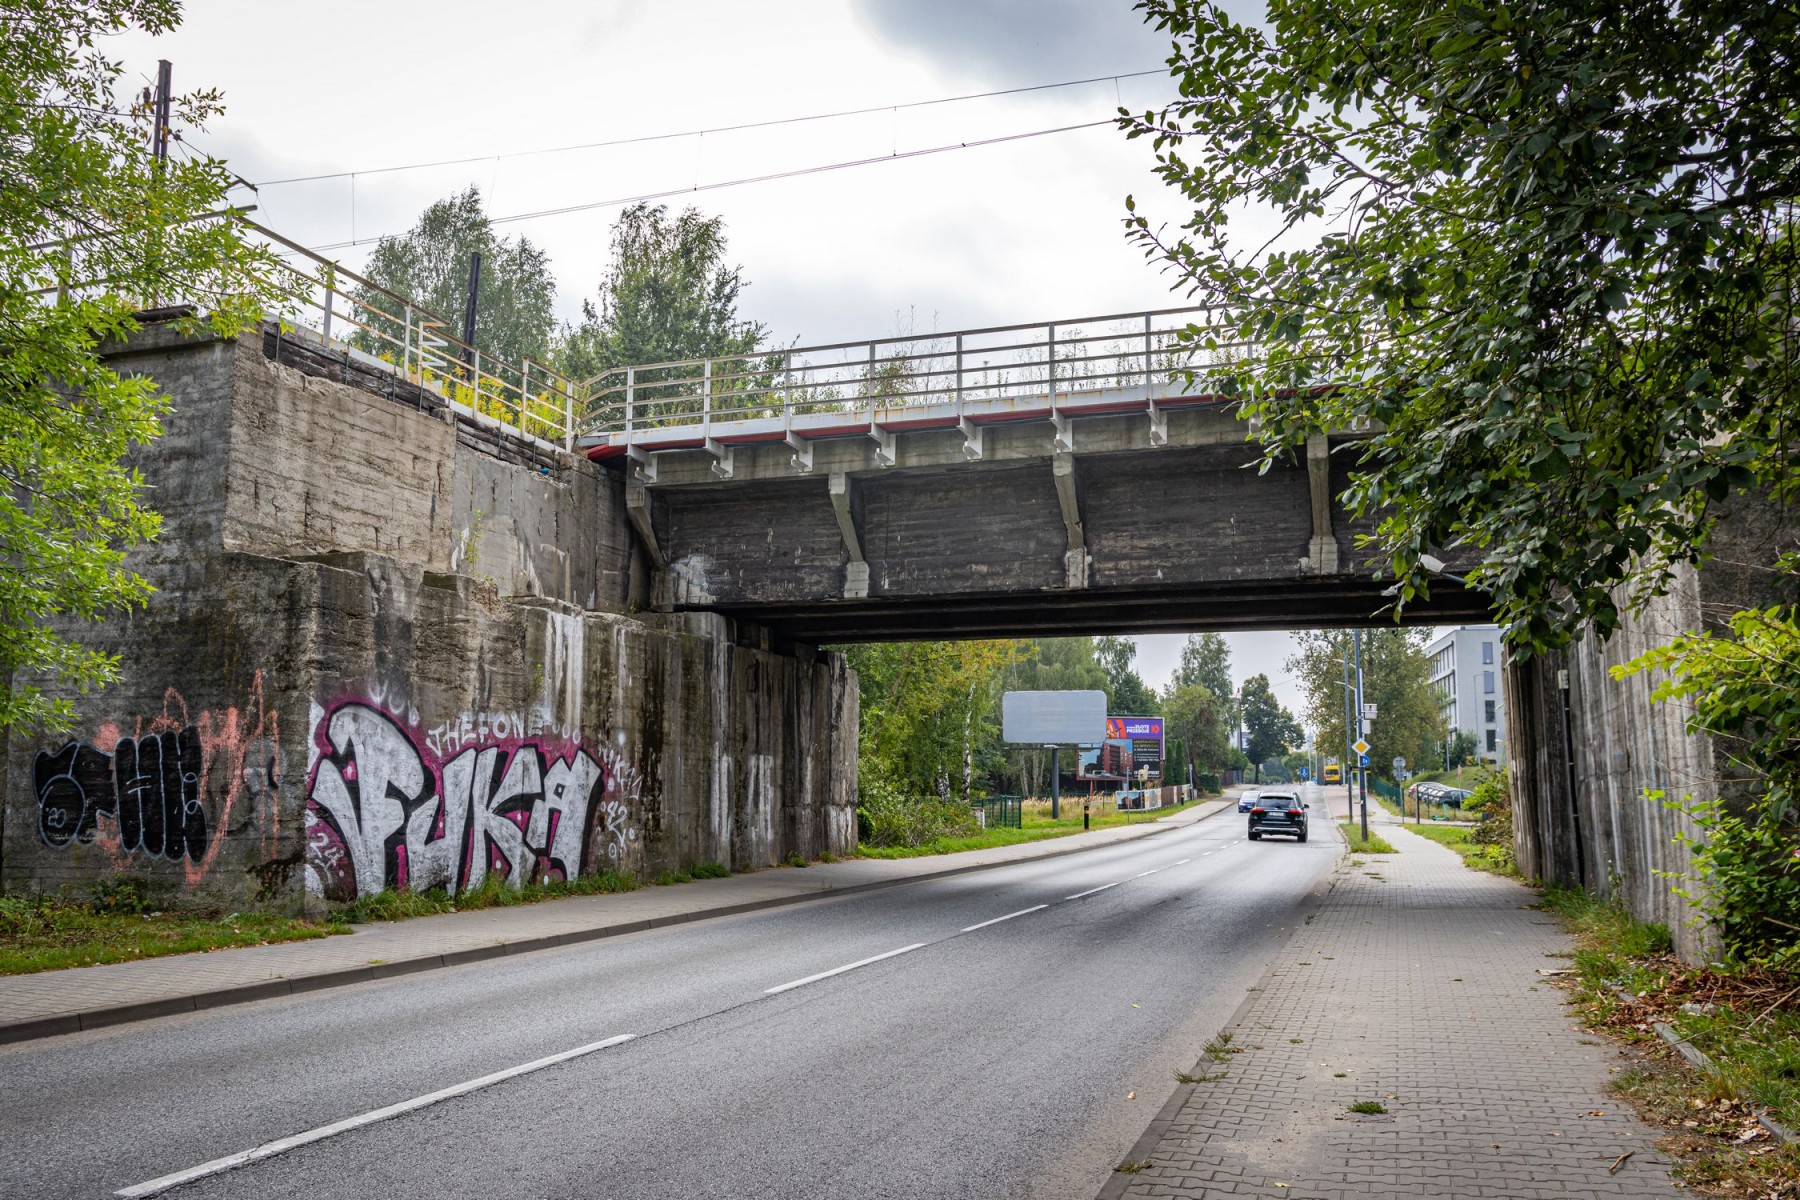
{"x": 966, "y": 381}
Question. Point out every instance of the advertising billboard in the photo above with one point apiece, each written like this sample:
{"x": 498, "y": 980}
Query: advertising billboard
{"x": 1053, "y": 718}
{"x": 1133, "y": 749}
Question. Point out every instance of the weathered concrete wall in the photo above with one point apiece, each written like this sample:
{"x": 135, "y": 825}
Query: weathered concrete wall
{"x": 1599, "y": 825}
{"x": 380, "y": 656}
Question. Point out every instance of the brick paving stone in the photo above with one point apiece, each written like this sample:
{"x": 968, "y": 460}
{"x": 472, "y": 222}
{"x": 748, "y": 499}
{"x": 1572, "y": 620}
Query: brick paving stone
{"x": 1416, "y": 978}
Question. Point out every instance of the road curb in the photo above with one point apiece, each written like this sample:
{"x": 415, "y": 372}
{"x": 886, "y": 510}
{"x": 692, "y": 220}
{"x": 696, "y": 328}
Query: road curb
{"x": 1141, "y": 1150}
{"x": 144, "y": 1010}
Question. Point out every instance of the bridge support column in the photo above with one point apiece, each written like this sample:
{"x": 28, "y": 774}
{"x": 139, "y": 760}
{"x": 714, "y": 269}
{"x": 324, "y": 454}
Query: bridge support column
{"x": 856, "y": 574}
{"x": 1322, "y": 551}
{"x": 1075, "y": 562}
{"x": 637, "y": 508}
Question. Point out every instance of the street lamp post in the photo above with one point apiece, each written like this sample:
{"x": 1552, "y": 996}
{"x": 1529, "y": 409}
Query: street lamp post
{"x": 1362, "y": 770}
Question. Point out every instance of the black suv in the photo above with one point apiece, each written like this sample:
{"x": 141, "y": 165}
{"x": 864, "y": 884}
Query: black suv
{"x": 1278, "y": 812}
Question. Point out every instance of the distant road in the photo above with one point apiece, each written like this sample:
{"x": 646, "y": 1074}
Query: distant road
{"x": 1003, "y": 1033}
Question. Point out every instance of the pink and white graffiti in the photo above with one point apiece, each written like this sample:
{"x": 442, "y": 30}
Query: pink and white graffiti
{"x": 386, "y": 809}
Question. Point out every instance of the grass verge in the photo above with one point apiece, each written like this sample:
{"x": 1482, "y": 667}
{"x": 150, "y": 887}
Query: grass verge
{"x": 48, "y": 935}
{"x": 1035, "y": 829}
{"x": 1373, "y": 844}
{"x": 1744, "y": 1021}
{"x": 1497, "y": 860}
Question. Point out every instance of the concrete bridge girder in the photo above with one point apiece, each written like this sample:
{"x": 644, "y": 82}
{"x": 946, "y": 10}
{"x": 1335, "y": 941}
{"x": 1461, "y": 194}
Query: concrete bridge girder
{"x": 1113, "y": 522}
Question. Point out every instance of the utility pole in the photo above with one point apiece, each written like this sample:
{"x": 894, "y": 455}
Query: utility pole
{"x": 1362, "y": 772}
{"x": 1055, "y": 782}
{"x": 468, "y": 329}
{"x": 159, "y": 113}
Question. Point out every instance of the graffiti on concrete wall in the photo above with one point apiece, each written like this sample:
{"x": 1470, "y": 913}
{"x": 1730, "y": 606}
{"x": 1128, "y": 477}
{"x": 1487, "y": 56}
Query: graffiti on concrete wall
{"x": 150, "y": 786}
{"x": 169, "y": 789}
{"x": 393, "y": 805}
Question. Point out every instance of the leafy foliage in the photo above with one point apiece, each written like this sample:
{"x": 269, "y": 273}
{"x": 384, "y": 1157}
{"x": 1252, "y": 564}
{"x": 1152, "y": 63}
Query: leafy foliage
{"x": 1396, "y": 679}
{"x": 1552, "y": 243}
{"x": 92, "y": 229}
{"x": 1201, "y": 722}
{"x": 668, "y": 295}
{"x": 1744, "y": 691}
{"x": 1269, "y": 729}
{"x": 429, "y": 264}
{"x": 928, "y": 712}
{"x": 887, "y": 817}
{"x": 1126, "y": 692}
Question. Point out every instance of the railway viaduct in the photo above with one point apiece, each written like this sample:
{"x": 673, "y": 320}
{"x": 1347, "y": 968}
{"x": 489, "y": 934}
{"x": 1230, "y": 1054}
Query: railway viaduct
{"x": 423, "y": 623}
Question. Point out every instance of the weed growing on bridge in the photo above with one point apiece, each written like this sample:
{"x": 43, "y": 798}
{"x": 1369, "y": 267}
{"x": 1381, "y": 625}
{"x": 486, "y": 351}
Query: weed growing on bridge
{"x": 1373, "y": 1108}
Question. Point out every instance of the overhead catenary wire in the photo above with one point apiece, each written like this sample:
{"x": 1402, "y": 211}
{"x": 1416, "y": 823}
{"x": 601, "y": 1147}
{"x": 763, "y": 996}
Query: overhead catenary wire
{"x": 717, "y": 129}
{"x": 798, "y": 172}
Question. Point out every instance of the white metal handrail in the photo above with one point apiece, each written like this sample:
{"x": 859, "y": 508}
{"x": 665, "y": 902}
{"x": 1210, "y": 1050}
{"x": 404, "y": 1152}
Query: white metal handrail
{"x": 1056, "y": 361}
{"x": 385, "y": 329}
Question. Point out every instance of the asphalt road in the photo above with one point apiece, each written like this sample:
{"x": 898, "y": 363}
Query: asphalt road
{"x": 1017, "y": 1057}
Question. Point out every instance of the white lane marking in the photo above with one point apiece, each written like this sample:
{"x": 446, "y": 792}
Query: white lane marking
{"x": 282, "y": 1145}
{"x": 1141, "y": 874}
{"x": 840, "y": 970}
{"x": 1091, "y": 891}
{"x": 1184, "y": 862}
{"x": 1007, "y": 917}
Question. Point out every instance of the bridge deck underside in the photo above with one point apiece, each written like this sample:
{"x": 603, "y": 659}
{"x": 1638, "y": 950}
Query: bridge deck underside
{"x": 1168, "y": 539}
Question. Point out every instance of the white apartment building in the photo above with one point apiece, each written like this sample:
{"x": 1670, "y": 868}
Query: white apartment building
{"x": 1465, "y": 670}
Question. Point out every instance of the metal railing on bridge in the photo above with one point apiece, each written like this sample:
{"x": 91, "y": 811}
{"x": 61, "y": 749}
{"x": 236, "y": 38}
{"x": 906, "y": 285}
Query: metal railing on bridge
{"x": 352, "y": 314}
{"x": 993, "y": 373}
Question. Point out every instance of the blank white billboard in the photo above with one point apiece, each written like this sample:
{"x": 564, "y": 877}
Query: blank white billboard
{"x": 1053, "y": 718}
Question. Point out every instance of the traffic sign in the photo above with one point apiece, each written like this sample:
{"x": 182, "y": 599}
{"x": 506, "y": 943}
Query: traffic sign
{"x": 1362, "y": 748}
{"x": 1399, "y": 764}
{"x": 1368, "y": 712}
{"x": 1364, "y": 760}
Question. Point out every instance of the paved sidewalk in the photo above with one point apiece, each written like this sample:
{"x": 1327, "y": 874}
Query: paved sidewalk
{"x": 1414, "y": 984}
{"x": 56, "y": 1002}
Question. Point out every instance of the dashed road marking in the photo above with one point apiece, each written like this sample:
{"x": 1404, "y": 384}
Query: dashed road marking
{"x": 862, "y": 962}
{"x": 1007, "y": 917}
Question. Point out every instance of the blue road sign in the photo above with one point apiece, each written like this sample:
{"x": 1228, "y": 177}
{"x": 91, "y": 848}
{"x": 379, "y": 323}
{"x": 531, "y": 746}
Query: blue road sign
{"x": 1364, "y": 760}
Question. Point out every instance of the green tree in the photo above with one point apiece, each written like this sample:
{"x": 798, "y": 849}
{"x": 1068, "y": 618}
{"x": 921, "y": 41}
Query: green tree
{"x": 1409, "y": 719}
{"x": 1459, "y": 749}
{"x": 1201, "y": 720}
{"x": 1126, "y": 692}
{"x": 1553, "y": 245}
{"x": 429, "y": 265}
{"x": 928, "y": 713}
{"x": 1269, "y": 729}
{"x": 668, "y": 295}
{"x": 92, "y": 229}
{"x": 1206, "y": 661}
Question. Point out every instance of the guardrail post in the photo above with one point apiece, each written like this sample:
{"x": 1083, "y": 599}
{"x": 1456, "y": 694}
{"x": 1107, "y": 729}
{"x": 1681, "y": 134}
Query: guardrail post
{"x": 959, "y": 373}
{"x": 330, "y": 291}
{"x": 1147, "y": 368}
{"x": 630, "y": 400}
{"x": 406, "y": 344}
{"x": 706, "y": 398}
{"x": 1052, "y": 372}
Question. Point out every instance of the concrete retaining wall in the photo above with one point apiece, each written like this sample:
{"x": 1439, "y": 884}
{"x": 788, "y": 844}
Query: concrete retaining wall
{"x": 388, "y": 649}
{"x": 1602, "y": 825}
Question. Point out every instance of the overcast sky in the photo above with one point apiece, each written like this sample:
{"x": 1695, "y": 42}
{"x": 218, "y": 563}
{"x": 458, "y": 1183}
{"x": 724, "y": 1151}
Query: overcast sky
{"x": 1030, "y": 230}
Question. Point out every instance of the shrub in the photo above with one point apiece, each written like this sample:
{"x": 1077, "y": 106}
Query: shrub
{"x": 886, "y": 817}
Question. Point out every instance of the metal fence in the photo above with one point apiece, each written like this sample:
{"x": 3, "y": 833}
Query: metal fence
{"x": 350, "y": 313}
{"x": 1056, "y": 361}
{"x": 1000, "y": 812}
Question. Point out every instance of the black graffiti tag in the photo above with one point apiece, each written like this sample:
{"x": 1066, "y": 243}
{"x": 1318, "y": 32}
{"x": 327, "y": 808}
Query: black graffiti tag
{"x": 150, "y": 785}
